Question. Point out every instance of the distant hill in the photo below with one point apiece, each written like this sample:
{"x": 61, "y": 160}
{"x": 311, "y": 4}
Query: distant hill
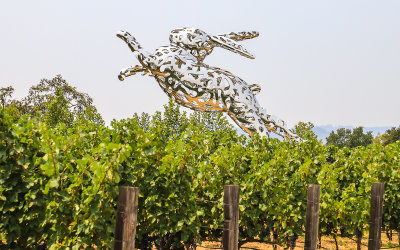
{"x": 323, "y": 131}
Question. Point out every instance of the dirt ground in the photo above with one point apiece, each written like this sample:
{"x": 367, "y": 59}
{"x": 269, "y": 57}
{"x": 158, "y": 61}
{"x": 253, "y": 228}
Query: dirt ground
{"x": 326, "y": 243}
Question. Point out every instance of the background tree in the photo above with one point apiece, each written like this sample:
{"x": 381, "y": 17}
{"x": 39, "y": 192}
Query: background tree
{"x": 339, "y": 138}
{"x": 304, "y": 131}
{"x": 349, "y": 138}
{"x": 5, "y": 95}
{"x": 210, "y": 121}
{"x": 57, "y": 110}
{"x": 56, "y": 100}
{"x": 173, "y": 121}
{"x": 390, "y": 136}
{"x": 11, "y": 106}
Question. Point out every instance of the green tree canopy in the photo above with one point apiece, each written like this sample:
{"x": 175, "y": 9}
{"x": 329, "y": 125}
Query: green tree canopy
{"x": 5, "y": 95}
{"x": 56, "y": 100}
{"x": 304, "y": 131}
{"x": 390, "y": 136}
{"x": 349, "y": 138}
{"x": 173, "y": 121}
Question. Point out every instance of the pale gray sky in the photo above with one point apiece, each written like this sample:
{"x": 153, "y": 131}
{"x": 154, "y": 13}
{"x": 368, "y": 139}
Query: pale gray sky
{"x": 327, "y": 62}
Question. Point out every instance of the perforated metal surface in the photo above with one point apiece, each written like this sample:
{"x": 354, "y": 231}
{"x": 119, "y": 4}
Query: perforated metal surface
{"x": 179, "y": 70}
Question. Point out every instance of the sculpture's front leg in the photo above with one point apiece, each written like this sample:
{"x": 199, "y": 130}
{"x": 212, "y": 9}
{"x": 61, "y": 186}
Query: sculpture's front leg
{"x": 130, "y": 71}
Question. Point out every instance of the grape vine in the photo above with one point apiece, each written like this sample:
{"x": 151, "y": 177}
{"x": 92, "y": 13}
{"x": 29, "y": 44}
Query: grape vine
{"x": 59, "y": 185}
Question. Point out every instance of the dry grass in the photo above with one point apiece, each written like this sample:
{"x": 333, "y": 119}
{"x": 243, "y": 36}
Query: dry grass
{"x": 326, "y": 243}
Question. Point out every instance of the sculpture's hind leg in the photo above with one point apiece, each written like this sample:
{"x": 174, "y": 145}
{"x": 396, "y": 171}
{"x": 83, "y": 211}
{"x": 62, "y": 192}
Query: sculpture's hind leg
{"x": 247, "y": 120}
{"x": 278, "y": 127}
{"x": 254, "y": 119}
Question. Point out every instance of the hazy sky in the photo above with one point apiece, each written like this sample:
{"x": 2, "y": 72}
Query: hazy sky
{"x": 327, "y": 62}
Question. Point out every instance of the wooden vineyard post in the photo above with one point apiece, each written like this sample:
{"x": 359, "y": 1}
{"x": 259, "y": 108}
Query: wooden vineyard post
{"x": 125, "y": 226}
{"x": 375, "y": 215}
{"x": 312, "y": 217}
{"x": 230, "y": 239}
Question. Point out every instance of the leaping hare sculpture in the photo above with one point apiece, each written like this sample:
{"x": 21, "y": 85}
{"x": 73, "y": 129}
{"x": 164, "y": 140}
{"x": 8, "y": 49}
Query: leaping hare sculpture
{"x": 181, "y": 73}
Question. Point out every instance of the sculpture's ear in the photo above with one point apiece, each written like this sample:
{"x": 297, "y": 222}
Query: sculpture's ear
{"x": 229, "y": 44}
{"x": 240, "y": 36}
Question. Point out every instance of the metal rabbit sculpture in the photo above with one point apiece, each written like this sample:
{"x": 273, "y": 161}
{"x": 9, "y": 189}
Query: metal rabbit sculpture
{"x": 179, "y": 70}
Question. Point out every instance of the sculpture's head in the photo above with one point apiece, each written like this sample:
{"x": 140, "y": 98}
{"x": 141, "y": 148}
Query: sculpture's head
{"x": 196, "y": 41}
{"x": 200, "y": 44}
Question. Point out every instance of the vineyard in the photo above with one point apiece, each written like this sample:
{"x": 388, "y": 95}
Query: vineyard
{"x": 59, "y": 185}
